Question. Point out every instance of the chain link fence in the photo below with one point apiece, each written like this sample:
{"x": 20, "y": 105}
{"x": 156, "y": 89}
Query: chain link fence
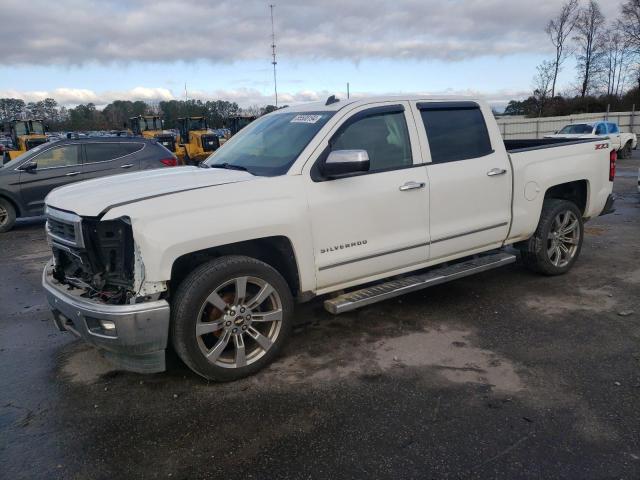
{"x": 520, "y": 127}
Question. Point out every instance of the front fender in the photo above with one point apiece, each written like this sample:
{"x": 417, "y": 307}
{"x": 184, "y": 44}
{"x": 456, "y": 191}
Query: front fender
{"x": 168, "y": 227}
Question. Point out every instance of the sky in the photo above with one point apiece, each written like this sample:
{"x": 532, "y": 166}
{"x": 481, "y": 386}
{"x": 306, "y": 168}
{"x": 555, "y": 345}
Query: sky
{"x": 80, "y": 51}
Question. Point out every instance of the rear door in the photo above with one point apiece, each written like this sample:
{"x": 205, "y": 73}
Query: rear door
{"x": 470, "y": 179}
{"x": 111, "y": 158}
{"x": 56, "y": 166}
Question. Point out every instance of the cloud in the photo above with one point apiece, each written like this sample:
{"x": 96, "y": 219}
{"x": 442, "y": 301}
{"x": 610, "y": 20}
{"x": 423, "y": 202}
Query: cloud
{"x": 74, "y": 96}
{"x": 245, "y": 97}
{"x": 70, "y": 32}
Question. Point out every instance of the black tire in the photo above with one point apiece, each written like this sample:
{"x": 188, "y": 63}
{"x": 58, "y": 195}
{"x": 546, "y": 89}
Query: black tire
{"x": 535, "y": 251}
{"x": 7, "y": 215}
{"x": 191, "y": 301}
{"x": 626, "y": 151}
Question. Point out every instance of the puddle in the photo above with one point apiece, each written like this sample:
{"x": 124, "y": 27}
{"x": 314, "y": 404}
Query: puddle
{"x": 593, "y": 300}
{"x": 631, "y": 277}
{"x": 85, "y": 365}
{"x": 446, "y": 352}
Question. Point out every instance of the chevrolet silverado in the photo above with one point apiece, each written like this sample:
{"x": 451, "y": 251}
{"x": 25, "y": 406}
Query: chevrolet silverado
{"x": 354, "y": 201}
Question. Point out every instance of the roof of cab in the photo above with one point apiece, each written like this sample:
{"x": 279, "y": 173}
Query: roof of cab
{"x": 341, "y": 103}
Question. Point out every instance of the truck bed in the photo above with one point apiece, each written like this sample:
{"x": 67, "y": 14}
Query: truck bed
{"x": 523, "y": 145}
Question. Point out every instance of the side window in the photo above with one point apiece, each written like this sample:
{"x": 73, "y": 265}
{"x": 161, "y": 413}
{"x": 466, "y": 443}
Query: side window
{"x": 601, "y": 129}
{"x": 456, "y": 133}
{"x": 62, "y": 156}
{"x": 129, "y": 148}
{"x": 613, "y": 128}
{"x": 101, "y": 152}
{"x": 384, "y": 136}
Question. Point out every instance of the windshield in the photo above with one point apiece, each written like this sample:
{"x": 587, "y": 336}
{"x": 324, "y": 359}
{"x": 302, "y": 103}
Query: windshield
{"x": 270, "y": 145}
{"x": 29, "y": 128}
{"x": 150, "y": 124}
{"x": 196, "y": 124}
{"x": 579, "y": 128}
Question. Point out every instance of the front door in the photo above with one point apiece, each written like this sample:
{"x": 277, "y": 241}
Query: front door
{"x": 56, "y": 167}
{"x": 371, "y": 224}
{"x": 470, "y": 195}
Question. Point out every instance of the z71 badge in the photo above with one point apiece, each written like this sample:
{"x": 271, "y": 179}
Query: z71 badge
{"x": 342, "y": 246}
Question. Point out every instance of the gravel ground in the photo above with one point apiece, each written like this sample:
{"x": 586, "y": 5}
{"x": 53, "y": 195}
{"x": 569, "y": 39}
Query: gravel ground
{"x": 504, "y": 375}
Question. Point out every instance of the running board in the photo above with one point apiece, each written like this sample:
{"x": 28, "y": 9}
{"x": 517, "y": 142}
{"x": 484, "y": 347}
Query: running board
{"x": 435, "y": 276}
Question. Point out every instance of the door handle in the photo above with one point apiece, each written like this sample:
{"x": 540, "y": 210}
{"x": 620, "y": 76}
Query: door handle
{"x": 128, "y": 165}
{"x": 496, "y": 171}
{"x": 72, "y": 174}
{"x": 411, "y": 186}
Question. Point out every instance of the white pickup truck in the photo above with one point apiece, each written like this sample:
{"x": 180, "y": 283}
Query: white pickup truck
{"x": 622, "y": 142}
{"x": 355, "y": 201}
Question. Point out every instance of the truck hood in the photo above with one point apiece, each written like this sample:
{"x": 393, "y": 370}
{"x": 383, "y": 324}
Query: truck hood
{"x": 95, "y": 197}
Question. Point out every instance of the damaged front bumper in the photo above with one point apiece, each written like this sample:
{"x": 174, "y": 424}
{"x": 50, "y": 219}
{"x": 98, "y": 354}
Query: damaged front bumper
{"x": 132, "y": 336}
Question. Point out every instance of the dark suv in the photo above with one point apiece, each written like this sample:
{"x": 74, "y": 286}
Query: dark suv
{"x": 25, "y": 181}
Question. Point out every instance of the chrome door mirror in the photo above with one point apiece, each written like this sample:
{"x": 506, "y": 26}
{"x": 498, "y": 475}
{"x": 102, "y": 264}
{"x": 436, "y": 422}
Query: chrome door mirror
{"x": 343, "y": 162}
{"x": 29, "y": 166}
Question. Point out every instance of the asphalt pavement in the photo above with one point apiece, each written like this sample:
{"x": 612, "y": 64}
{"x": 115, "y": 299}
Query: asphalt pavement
{"x": 504, "y": 375}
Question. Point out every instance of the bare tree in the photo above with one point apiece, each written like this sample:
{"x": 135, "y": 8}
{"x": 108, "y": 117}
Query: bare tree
{"x": 590, "y": 52}
{"x": 630, "y": 21}
{"x": 630, "y": 25}
{"x": 616, "y": 59}
{"x": 542, "y": 84}
{"x": 559, "y": 29}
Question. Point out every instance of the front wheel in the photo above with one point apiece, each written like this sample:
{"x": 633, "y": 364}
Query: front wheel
{"x": 7, "y": 216}
{"x": 556, "y": 243}
{"x": 230, "y": 317}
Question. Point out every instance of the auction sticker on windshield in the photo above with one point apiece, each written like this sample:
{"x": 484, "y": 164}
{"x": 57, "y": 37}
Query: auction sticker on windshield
{"x": 306, "y": 118}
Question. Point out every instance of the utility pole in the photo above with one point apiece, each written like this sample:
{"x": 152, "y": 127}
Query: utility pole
{"x": 273, "y": 54}
{"x": 347, "y": 90}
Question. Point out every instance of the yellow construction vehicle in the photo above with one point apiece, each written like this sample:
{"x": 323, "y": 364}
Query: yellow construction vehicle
{"x": 150, "y": 126}
{"x": 238, "y": 122}
{"x": 25, "y": 134}
{"x": 195, "y": 142}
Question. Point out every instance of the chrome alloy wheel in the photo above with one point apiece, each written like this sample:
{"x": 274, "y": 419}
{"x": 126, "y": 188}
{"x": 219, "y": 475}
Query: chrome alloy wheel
{"x": 563, "y": 239}
{"x": 4, "y": 215}
{"x": 239, "y": 322}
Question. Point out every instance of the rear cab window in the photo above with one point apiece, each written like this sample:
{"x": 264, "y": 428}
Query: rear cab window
{"x": 455, "y": 131}
{"x": 613, "y": 128}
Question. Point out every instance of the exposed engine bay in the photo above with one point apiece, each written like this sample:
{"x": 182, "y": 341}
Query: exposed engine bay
{"x": 103, "y": 264}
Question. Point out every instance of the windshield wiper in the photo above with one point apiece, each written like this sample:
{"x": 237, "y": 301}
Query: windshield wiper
{"x": 229, "y": 166}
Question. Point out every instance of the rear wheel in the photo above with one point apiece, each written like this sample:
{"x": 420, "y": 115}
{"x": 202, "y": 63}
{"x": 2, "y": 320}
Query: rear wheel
{"x": 231, "y": 317}
{"x": 556, "y": 243}
{"x": 626, "y": 151}
{"x": 7, "y": 216}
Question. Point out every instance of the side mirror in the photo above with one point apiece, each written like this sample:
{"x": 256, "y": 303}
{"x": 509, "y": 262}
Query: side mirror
{"x": 29, "y": 166}
{"x": 343, "y": 162}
